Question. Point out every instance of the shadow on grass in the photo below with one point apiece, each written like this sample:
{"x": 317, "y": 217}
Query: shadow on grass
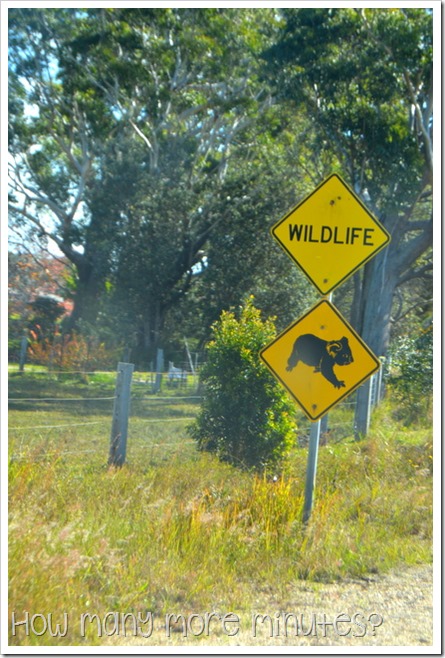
{"x": 62, "y": 393}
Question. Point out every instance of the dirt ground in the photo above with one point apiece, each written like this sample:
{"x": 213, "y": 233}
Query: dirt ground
{"x": 390, "y": 610}
{"x": 393, "y": 610}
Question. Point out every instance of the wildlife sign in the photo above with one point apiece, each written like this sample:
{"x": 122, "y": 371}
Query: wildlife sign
{"x": 330, "y": 234}
{"x": 320, "y": 359}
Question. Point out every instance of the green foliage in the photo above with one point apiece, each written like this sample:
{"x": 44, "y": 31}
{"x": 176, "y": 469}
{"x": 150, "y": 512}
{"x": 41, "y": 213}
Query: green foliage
{"x": 170, "y": 165}
{"x": 412, "y": 378}
{"x": 246, "y": 418}
{"x": 353, "y": 67}
{"x": 364, "y": 76}
{"x": 46, "y": 314}
{"x": 15, "y": 333}
{"x": 148, "y": 147}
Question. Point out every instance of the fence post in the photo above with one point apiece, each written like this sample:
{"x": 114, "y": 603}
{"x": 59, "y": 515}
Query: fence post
{"x": 380, "y": 380}
{"x": 159, "y": 370}
{"x": 121, "y": 409}
{"x": 23, "y": 348}
{"x": 362, "y": 411}
{"x": 189, "y": 356}
{"x": 373, "y": 391}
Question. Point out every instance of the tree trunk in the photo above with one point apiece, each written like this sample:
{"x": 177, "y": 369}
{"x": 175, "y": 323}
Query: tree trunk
{"x": 379, "y": 284}
{"x": 355, "y": 315}
{"x": 150, "y": 333}
{"x": 88, "y": 295}
{"x": 374, "y": 325}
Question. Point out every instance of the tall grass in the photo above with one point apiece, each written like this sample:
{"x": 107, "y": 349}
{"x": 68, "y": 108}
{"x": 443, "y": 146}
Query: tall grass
{"x": 177, "y": 531}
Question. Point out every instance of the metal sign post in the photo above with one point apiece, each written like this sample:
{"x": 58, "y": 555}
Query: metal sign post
{"x": 320, "y": 359}
{"x": 312, "y": 460}
{"x": 311, "y": 471}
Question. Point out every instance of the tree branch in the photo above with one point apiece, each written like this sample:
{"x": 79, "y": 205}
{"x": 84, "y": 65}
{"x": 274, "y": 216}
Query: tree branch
{"x": 414, "y": 274}
{"x": 420, "y": 120}
{"x": 67, "y": 249}
{"x": 413, "y": 250}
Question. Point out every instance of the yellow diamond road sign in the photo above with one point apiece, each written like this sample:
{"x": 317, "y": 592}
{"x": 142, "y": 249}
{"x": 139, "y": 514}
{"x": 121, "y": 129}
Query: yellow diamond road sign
{"x": 320, "y": 359}
{"x": 330, "y": 234}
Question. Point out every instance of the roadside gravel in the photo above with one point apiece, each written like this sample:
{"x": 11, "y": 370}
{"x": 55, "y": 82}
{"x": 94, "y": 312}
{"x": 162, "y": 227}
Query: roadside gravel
{"x": 395, "y": 609}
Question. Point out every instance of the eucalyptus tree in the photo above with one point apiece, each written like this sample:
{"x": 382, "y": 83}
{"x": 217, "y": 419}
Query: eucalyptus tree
{"x": 58, "y": 142}
{"x": 366, "y": 77}
{"x": 124, "y": 126}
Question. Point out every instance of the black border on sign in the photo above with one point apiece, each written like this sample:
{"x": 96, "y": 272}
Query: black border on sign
{"x": 350, "y": 390}
{"x": 359, "y": 265}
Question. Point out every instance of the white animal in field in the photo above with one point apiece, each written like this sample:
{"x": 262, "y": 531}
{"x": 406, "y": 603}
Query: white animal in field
{"x": 176, "y": 374}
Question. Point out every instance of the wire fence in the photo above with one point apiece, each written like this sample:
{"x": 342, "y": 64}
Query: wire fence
{"x": 49, "y": 413}
{"x": 53, "y": 416}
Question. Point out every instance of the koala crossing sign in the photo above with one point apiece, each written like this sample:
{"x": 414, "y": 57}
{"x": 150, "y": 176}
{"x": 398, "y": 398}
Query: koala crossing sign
{"x": 320, "y": 359}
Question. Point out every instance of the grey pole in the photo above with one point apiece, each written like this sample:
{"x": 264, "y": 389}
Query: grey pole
{"x": 363, "y": 411}
{"x": 311, "y": 470}
{"x": 23, "y": 349}
{"x": 159, "y": 370}
{"x": 312, "y": 458}
{"x": 119, "y": 427}
{"x": 380, "y": 381}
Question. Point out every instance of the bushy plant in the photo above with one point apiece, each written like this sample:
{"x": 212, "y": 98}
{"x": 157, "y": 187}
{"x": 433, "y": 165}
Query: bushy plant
{"x": 71, "y": 352}
{"x": 46, "y": 315}
{"x": 411, "y": 377}
{"x": 246, "y": 418}
{"x": 15, "y": 333}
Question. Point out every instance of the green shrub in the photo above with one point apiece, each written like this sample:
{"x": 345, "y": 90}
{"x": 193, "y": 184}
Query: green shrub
{"x": 411, "y": 378}
{"x": 15, "y": 332}
{"x": 246, "y": 418}
{"x": 46, "y": 315}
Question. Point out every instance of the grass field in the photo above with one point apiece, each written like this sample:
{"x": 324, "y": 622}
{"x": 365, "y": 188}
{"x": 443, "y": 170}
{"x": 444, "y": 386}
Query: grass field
{"x": 176, "y": 531}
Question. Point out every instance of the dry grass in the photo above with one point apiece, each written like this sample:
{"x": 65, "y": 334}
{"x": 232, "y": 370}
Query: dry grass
{"x": 176, "y": 531}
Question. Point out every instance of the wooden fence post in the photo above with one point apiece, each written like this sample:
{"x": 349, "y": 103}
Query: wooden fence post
{"x": 159, "y": 370}
{"x": 23, "y": 348}
{"x": 121, "y": 410}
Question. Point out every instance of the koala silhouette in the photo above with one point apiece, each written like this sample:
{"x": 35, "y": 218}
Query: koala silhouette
{"x": 322, "y": 354}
